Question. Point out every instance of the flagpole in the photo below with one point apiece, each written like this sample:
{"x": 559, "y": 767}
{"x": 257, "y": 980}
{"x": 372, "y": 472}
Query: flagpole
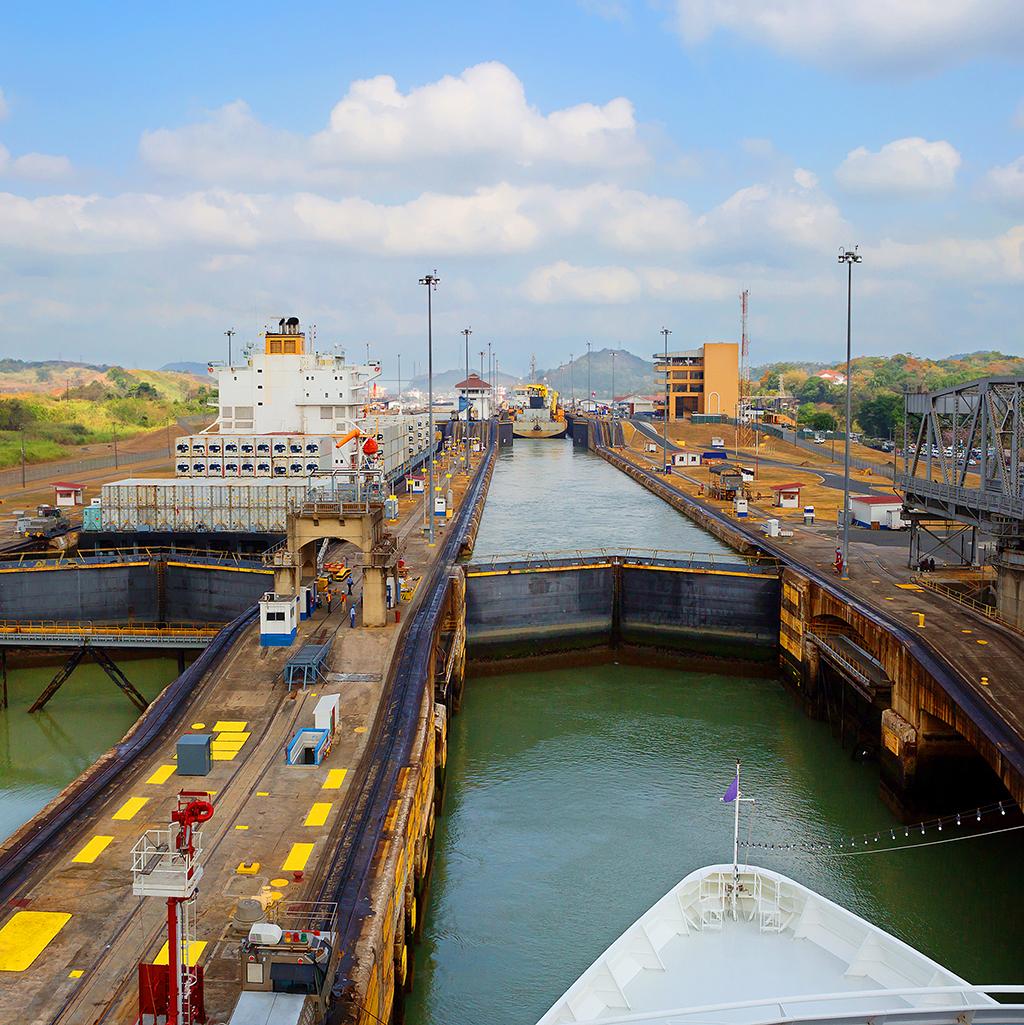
{"x": 736, "y": 829}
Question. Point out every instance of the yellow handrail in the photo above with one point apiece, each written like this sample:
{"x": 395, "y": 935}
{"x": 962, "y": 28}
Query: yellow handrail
{"x": 87, "y": 627}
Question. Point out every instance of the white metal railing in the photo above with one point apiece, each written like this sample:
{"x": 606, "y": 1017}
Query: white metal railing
{"x": 785, "y": 1009}
{"x": 160, "y": 870}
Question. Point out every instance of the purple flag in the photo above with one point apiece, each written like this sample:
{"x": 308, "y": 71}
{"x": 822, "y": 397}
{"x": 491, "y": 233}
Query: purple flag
{"x": 734, "y": 789}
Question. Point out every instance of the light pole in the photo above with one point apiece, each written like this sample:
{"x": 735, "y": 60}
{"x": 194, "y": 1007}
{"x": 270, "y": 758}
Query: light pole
{"x": 466, "y": 332}
{"x": 431, "y": 281}
{"x": 399, "y": 382}
{"x": 230, "y": 333}
{"x": 849, "y": 257}
{"x": 613, "y": 398}
{"x": 665, "y": 333}
{"x": 590, "y": 394}
{"x": 481, "y": 362}
{"x": 572, "y": 387}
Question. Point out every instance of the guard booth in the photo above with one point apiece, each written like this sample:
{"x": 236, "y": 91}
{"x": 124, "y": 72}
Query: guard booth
{"x": 67, "y": 494}
{"x": 278, "y": 619}
{"x": 786, "y": 496}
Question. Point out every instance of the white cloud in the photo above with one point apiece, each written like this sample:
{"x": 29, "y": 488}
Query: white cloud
{"x": 767, "y": 221}
{"x": 482, "y": 113}
{"x": 901, "y": 37}
{"x": 805, "y": 179}
{"x": 5, "y": 109}
{"x": 905, "y": 166}
{"x": 565, "y": 282}
{"x": 1006, "y": 184}
{"x": 999, "y": 259}
{"x": 40, "y": 167}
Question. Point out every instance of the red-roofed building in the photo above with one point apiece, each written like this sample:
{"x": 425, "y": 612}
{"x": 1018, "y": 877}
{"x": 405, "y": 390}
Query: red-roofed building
{"x": 68, "y": 494}
{"x": 787, "y": 496}
{"x": 877, "y": 511}
{"x": 477, "y": 392}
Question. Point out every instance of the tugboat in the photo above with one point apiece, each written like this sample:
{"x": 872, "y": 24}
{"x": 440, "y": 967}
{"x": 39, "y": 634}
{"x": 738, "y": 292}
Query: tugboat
{"x": 537, "y": 413}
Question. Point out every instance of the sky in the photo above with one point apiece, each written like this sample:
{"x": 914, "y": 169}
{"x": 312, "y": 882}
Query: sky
{"x": 574, "y": 170}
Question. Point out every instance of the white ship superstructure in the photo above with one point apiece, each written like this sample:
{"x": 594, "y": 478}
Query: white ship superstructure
{"x": 288, "y": 412}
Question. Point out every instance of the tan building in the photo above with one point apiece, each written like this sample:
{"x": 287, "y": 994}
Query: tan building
{"x": 704, "y": 380}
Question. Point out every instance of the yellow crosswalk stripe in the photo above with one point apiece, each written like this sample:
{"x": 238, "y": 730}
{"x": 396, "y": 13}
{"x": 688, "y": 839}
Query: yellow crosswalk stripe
{"x": 129, "y": 809}
{"x": 92, "y": 850}
{"x": 318, "y": 813}
{"x": 162, "y": 775}
{"x": 335, "y": 777}
{"x": 297, "y": 857}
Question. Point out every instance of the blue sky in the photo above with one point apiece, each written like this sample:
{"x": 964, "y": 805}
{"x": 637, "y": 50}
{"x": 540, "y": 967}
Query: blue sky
{"x": 575, "y": 171}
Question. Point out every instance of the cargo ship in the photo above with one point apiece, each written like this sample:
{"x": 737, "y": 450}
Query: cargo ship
{"x": 287, "y": 418}
{"x": 536, "y": 412}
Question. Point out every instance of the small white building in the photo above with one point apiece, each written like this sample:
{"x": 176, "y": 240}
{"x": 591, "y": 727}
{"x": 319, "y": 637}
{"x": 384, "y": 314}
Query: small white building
{"x": 477, "y": 392}
{"x": 786, "y": 496}
{"x": 877, "y": 512}
{"x": 686, "y": 459}
{"x": 68, "y": 494}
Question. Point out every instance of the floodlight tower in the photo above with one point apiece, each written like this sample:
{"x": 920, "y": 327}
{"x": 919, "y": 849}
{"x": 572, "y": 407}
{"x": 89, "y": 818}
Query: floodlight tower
{"x": 167, "y": 863}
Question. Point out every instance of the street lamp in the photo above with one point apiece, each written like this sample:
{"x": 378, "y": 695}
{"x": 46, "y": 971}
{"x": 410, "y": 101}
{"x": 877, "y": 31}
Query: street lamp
{"x": 572, "y": 387}
{"x": 466, "y": 332}
{"x": 613, "y": 398}
{"x": 431, "y": 281}
{"x": 665, "y": 333}
{"x": 849, "y": 257}
{"x": 590, "y": 394}
{"x": 230, "y": 333}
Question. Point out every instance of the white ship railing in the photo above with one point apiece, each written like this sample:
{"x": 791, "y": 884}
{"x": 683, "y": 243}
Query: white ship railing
{"x": 925, "y": 1011}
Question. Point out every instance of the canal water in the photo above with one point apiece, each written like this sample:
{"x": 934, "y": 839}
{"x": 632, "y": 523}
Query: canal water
{"x": 43, "y": 752}
{"x": 577, "y": 797}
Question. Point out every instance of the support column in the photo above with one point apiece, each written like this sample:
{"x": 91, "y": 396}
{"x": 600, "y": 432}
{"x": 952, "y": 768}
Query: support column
{"x": 375, "y": 605}
{"x": 3, "y": 670}
{"x": 898, "y": 759}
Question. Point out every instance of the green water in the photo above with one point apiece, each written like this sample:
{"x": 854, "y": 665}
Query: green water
{"x": 577, "y": 798}
{"x": 41, "y": 753}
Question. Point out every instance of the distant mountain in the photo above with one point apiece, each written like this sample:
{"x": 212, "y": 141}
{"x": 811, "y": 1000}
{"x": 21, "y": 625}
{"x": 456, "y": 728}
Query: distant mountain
{"x": 633, "y": 375}
{"x": 187, "y": 367}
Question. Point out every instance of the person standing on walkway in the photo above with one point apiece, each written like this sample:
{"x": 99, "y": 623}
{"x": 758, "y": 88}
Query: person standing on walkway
{"x": 329, "y": 597}
{"x": 350, "y": 587}
{"x": 352, "y": 616}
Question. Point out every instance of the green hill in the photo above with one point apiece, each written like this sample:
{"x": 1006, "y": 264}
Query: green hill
{"x": 633, "y": 375}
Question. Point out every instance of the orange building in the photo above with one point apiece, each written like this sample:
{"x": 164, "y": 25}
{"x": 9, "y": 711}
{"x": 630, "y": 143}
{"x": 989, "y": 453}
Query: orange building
{"x": 704, "y": 380}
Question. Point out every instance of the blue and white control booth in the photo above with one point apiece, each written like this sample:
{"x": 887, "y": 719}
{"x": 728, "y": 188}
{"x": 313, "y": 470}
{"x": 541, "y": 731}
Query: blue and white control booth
{"x": 278, "y": 619}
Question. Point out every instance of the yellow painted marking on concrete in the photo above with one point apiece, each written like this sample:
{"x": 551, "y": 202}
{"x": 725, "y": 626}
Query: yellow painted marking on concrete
{"x": 224, "y": 756}
{"x": 318, "y": 813}
{"x": 76, "y": 973}
{"x": 359, "y": 729}
{"x": 275, "y": 896}
{"x": 199, "y": 726}
{"x": 335, "y": 777}
{"x": 195, "y": 952}
{"x": 910, "y": 587}
{"x": 297, "y": 857}
{"x": 279, "y": 883}
{"x": 984, "y": 681}
{"x": 92, "y": 850}
{"x": 890, "y": 599}
{"x": 241, "y": 827}
{"x": 229, "y": 726}
{"x": 226, "y": 745}
{"x": 920, "y": 619}
{"x": 966, "y": 631}
{"x": 229, "y": 737}
{"x": 262, "y": 793}
{"x": 26, "y": 936}
{"x": 248, "y": 868}
{"x": 162, "y": 775}
{"x": 129, "y": 809}
{"x": 982, "y": 642}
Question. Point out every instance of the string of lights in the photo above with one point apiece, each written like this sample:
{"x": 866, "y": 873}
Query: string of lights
{"x": 884, "y": 839}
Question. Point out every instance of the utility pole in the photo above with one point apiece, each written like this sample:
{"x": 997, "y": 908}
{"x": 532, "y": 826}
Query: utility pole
{"x": 231, "y": 334}
{"x": 665, "y": 332}
{"x": 23, "y": 457}
{"x": 115, "y": 445}
{"x": 590, "y": 394}
{"x": 466, "y": 332}
{"x": 849, "y": 257}
{"x": 431, "y": 281}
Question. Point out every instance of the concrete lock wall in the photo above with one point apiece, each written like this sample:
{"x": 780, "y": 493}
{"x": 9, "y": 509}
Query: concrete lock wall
{"x": 80, "y": 593}
{"x": 132, "y": 591}
{"x": 198, "y": 593}
{"x": 713, "y": 612}
{"x": 556, "y": 611}
{"x": 544, "y": 610}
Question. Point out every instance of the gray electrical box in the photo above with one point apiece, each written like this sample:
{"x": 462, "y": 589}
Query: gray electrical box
{"x": 195, "y": 754}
